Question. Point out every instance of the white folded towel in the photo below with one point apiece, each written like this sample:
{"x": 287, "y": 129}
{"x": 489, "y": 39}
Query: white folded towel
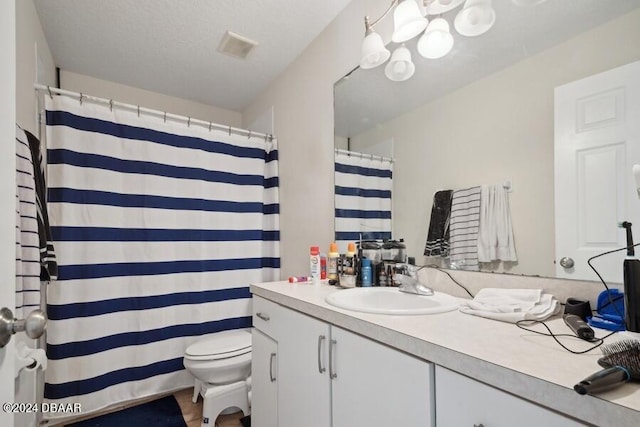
{"x": 511, "y": 305}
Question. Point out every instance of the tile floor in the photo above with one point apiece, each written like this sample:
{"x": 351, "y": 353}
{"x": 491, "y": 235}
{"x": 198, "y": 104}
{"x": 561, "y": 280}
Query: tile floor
{"x": 192, "y": 412}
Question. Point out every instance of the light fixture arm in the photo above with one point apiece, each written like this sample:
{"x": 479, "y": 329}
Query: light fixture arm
{"x": 368, "y": 25}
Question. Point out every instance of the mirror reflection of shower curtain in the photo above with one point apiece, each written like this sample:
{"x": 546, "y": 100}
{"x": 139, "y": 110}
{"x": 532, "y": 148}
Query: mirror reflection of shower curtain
{"x": 363, "y": 187}
{"x": 159, "y": 230}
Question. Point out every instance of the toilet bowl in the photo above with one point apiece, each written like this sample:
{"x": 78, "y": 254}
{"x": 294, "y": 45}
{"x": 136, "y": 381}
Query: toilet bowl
{"x": 221, "y": 366}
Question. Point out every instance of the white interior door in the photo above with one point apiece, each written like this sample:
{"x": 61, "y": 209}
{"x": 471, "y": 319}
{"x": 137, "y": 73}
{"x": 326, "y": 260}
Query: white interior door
{"x": 597, "y": 141}
{"x": 7, "y": 191}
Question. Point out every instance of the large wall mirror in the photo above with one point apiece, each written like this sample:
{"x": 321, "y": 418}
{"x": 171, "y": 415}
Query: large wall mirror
{"x": 484, "y": 114}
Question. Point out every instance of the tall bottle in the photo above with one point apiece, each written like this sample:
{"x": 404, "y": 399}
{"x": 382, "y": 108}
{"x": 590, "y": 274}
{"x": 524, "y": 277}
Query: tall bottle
{"x": 366, "y": 272}
{"x": 314, "y": 264}
{"x": 332, "y": 262}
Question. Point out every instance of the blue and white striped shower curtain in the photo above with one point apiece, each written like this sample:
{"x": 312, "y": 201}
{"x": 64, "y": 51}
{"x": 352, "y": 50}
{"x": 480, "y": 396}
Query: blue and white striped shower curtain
{"x": 363, "y": 205}
{"x": 159, "y": 229}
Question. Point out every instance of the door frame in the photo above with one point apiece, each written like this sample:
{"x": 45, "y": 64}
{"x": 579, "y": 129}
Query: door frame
{"x": 7, "y": 192}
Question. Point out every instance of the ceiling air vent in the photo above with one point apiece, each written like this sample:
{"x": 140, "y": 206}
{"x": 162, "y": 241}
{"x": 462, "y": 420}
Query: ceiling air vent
{"x": 235, "y": 45}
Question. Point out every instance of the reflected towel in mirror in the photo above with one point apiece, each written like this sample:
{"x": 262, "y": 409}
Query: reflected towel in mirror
{"x": 438, "y": 235}
{"x": 495, "y": 236}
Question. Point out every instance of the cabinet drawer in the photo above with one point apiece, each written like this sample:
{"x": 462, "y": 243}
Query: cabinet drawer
{"x": 268, "y": 316}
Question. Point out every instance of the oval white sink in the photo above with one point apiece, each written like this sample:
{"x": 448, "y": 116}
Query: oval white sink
{"x": 388, "y": 300}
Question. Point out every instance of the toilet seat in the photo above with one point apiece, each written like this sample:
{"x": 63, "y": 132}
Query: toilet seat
{"x": 223, "y": 345}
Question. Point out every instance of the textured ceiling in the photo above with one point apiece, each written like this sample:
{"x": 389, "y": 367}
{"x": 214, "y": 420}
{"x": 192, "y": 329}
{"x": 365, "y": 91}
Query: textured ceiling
{"x": 368, "y": 98}
{"x": 169, "y": 46}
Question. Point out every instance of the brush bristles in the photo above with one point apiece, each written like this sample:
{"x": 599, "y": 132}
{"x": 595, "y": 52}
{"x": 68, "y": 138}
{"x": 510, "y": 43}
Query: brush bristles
{"x": 624, "y": 353}
{"x": 620, "y": 346}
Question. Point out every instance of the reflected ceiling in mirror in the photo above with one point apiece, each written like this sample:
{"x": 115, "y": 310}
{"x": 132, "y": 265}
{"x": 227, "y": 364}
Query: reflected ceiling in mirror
{"x": 492, "y": 99}
{"x": 521, "y": 29}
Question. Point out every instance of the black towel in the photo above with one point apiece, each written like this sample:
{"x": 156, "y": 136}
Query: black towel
{"x": 438, "y": 235}
{"x": 48, "y": 264}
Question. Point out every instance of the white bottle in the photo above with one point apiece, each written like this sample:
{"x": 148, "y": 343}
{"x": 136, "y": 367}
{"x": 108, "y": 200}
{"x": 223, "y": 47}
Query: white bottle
{"x": 314, "y": 264}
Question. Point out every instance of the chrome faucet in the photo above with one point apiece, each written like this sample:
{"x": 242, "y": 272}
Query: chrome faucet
{"x": 408, "y": 279}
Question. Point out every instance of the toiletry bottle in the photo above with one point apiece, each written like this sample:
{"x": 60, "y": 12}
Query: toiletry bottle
{"x": 365, "y": 266}
{"x": 382, "y": 277}
{"x": 314, "y": 264}
{"x": 347, "y": 267}
{"x": 323, "y": 266}
{"x": 332, "y": 262}
{"x": 350, "y": 259}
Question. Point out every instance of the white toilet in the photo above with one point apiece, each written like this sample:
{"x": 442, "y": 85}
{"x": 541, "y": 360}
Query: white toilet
{"x": 221, "y": 365}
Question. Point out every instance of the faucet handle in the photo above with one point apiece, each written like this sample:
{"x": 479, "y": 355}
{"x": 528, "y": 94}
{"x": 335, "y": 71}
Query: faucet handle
{"x": 407, "y": 269}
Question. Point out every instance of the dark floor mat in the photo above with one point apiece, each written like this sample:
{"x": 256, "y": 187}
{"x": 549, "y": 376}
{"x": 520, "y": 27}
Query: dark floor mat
{"x": 163, "y": 412}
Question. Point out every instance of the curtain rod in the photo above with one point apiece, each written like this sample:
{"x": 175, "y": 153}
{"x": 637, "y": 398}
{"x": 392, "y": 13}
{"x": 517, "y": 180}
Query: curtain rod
{"x": 363, "y": 155}
{"x": 188, "y": 120}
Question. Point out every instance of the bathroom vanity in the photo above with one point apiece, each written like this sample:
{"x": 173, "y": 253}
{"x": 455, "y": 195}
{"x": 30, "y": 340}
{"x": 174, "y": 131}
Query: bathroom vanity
{"x": 317, "y": 365}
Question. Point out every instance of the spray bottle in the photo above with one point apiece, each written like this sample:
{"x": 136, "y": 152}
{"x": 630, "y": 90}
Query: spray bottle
{"x": 631, "y": 268}
{"x": 314, "y": 264}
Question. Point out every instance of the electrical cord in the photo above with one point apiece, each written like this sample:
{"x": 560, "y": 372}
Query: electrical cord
{"x": 522, "y": 324}
{"x": 611, "y": 301}
{"x": 437, "y": 267}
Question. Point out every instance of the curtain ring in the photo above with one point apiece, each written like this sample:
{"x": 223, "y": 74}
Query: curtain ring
{"x": 165, "y": 117}
{"x": 209, "y": 126}
{"x": 111, "y": 105}
{"x": 265, "y": 138}
{"x": 81, "y": 98}
{"x": 249, "y": 136}
{"x": 138, "y": 111}
{"x": 188, "y": 121}
{"x": 50, "y": 94}
{"x": 229, "y": 130}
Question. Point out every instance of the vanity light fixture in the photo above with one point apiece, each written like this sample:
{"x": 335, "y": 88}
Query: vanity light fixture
{"x": 475, "y": 18}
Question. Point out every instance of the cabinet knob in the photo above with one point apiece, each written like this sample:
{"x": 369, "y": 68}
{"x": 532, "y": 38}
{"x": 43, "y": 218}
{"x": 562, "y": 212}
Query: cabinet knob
{"x": 263, "y": 316}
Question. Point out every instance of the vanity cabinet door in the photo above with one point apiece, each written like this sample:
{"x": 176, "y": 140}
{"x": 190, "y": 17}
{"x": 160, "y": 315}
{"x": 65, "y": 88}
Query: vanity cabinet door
{"x": 461, "y": 401}
{"x": 304, "y": 391}
{"x": 376, "y": 386}
{"x": 303, "y": 387}
{"x": 264, "y": 380}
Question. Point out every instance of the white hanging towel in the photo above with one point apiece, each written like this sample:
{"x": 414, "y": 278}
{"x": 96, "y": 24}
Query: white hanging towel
{"x": 495, "y": 235}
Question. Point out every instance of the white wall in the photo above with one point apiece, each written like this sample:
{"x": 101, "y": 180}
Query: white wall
{"x": 130, "y": 95}
{"x": 302, "y": 97}
{"x": 30, "y": 41}
{"x": 496, "y": 128}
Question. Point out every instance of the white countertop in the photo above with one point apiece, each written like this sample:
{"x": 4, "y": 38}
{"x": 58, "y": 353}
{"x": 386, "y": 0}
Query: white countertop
{"x": 528, "y": 365}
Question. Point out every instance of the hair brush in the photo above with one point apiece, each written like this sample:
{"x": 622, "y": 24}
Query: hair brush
{"x": 621, "y": 363}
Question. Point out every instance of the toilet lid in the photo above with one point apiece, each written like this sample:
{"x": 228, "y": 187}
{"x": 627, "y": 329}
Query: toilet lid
{"x": 223, "y": 344}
